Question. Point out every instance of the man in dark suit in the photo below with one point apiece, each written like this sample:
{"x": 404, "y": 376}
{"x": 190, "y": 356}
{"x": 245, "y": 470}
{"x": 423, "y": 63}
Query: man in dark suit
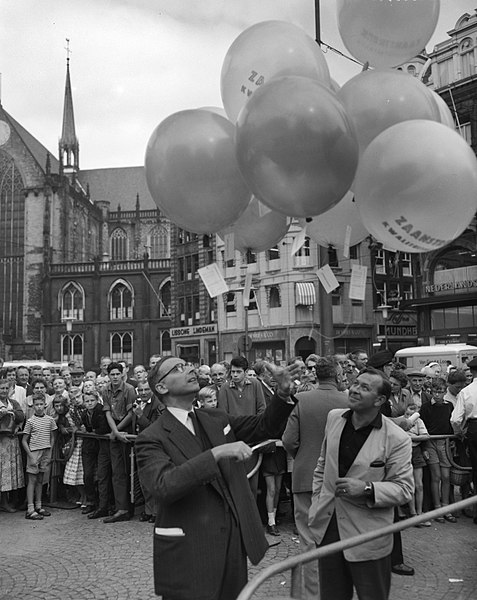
{"x": 192, "y": 462}
{"x": 302, "y": 439}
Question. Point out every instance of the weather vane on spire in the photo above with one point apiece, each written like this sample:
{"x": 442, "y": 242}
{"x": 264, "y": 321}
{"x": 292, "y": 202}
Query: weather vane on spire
{"x": 67, "y": 48}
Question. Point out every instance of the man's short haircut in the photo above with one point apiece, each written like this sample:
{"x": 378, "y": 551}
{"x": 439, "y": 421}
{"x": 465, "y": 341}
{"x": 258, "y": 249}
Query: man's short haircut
{"x": 438, "y": 383}
{"x": 38, "y": 380}
{"x": 260, "y": 367}
{"x": 354, "y": 353}
{"x": 398, "y": 375}
{"x": 456, "y": 376}
{"x": 115, "y": 365}
{"x": 154, "y": 376}
{"x": 239, "y": 362}
{"x": 206, "y": 391}
{"x": 385, "y": 388}
{"x": 325, "y": 369}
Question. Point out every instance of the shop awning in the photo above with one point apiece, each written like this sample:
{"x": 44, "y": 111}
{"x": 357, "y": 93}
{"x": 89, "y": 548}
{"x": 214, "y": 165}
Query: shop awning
{"x": 305, "y": 294}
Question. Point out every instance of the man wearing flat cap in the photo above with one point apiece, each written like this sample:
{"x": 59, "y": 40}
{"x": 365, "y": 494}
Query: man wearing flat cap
{"x": 416, "y": 381}
{"x": 192, "y": 462}
{"x": 464, "y": 419}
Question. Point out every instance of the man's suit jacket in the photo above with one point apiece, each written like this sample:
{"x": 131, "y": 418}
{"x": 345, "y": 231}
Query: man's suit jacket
{"x": 150, "y": 413}
{"x": 384, "y": 460}
{"x": 183, "y": 479}
{"x": 305, "y": 431}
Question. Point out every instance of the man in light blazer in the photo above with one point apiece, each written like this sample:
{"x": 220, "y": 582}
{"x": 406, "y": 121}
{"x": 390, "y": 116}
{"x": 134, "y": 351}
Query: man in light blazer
{"x": 302, "y": 439}
{"x": 364, "y": 470}
{"x": 192, "y": 462}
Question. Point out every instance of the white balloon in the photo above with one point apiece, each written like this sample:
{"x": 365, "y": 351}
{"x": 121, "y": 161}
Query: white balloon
{"x": 329, "y": 228}
{"x": 386, "y": 33}
{"x": 416, "y": 186}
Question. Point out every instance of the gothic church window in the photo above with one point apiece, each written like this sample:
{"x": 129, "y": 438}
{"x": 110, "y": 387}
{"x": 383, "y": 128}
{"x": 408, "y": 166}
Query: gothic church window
{"x": 119, "y": 244}
{"x": 72, "y": 302}
{"x": 121, "y": 300}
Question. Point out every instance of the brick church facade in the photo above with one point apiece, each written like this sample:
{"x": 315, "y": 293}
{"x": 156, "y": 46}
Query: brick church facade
{"x": 84, "y": 255}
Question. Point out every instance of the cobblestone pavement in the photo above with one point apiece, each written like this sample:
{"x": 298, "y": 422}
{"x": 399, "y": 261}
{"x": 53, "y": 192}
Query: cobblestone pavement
{"x": 68, "y": 557}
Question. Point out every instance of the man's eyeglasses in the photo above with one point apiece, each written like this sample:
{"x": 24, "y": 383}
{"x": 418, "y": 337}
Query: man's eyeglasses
{"x": 179, "y": 367}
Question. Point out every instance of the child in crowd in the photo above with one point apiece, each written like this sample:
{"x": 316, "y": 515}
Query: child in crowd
{"x": 207, "y": 397}
{"x": 419, "y": 433}
{"x": 37, "y": 442}
{"x": 73, "y": 474}
{"x": 62, "y": 441}
{"x": 436, "y": 416}
{"x": 94, "y": 421}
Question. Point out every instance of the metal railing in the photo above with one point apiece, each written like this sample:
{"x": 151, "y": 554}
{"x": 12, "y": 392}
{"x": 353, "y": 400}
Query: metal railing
{"x": 296, "y": 561}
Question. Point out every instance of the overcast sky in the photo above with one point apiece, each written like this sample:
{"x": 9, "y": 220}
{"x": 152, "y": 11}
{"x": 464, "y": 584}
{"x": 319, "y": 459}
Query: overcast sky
{"x": 135, "y": 62}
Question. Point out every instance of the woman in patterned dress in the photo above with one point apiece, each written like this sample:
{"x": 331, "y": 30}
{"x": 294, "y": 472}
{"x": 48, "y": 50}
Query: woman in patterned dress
{"x": 11, "y": 468}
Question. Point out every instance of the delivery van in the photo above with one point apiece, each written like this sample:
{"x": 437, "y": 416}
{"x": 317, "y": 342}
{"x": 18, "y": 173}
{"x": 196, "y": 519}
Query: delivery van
{"x": 444, "y": 354}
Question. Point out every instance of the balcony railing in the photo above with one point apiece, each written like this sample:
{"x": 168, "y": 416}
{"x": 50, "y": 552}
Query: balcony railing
{"x": 111, "y": 266}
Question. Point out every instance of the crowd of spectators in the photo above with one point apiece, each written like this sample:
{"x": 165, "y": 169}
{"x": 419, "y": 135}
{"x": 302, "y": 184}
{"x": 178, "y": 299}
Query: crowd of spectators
{"x": 70, "y": 433}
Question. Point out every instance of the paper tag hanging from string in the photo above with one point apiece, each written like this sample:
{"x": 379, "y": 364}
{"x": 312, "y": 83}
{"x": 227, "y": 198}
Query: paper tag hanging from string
{"x": 327, "y": 278}
{"x": 298, "y": 241}
{"x": 229, "y": 250}
{"x": 213, "y": 280}
{"x": 347, "y": 240}
{"x": 357, "y": 286}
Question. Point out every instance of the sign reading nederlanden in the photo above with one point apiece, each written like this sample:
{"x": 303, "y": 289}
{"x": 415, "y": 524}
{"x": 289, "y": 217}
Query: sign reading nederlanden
{"x": 194, "y": 330}
{"x": 454, "y": 280}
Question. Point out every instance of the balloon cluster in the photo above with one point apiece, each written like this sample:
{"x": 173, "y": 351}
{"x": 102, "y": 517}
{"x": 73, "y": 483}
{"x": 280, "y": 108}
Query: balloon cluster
{"x": 379, "y": 155}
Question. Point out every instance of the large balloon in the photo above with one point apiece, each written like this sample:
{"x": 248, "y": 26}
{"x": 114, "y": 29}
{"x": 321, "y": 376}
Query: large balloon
{"x": 192, "y": 172}
{"x": 329, "y": 228}
{"x": 258, "y": 228}
{"x": 416, "y": 186}
{"x": 296, "y": 147}
{"x": 386, "y": 33}
{"x": 376, "y": 100}
{"x": 265, "y": 50}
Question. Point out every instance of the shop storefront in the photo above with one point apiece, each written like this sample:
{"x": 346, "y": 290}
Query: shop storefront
{"x": 196, "y": 344}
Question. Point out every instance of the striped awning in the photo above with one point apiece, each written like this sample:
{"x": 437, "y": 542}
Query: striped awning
{"x": 305, "y": 294}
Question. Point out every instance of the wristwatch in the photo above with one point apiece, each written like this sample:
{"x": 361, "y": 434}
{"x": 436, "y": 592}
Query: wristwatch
{"x": 368, "y": 489}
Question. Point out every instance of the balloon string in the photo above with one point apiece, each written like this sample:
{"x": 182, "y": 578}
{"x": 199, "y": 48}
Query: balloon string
{"x": 340, "y": 53}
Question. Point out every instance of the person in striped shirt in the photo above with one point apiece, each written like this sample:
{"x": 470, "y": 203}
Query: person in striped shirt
{"x": 37, "y": 442}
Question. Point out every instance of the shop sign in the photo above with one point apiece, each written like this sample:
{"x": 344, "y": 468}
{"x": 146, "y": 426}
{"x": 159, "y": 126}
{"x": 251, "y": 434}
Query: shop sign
{"x": 194, "y": 330}
{"x": 454, "y": 280}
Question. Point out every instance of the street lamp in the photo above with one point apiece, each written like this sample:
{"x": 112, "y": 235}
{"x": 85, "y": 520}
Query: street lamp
{"x": 384, "y": 309}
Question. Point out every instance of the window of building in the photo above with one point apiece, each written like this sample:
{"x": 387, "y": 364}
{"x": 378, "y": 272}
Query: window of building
{"x": 165, "y": 299}
{"x": 380, "y": 261}
{"x": 411, "y": 70}
{"x": 466, "y": 132}
{"x": 337, "y": 297}
{"x": 305, "y": 249}
{"x": 273, "y": 253}
{"x": 253, "y": 303}
{"x": 406, "y": 263}
{"x": 467, "y": 58}
{"x": 182, "y": 311}
{"x": 166, "y": 344}
{"x": 72, "y": 347}
{"x": 393, "y": 293}
{"x": 195, "y": 309}
{"x": 72, "y": 302}
{"x": 159, "y": 243}
{"x": 333, "y": 257}
{"x": 184, "y": 237}
{"x": 206, "y": 241}
{"x": 406, "y": 291}
{"x": 121, "y": 301}
{"x": 180, "y": 269}
{"x": 230, "y": 302}
{"x": 121, "y": 346}
{"x": 119, "y": 244}
{"x": 381, "y": 295}
{"x": 454, "y": 317}
{"x": 250, "y": 257}
{"x": 274, "y": 299}
{"x": 355, "y": 252}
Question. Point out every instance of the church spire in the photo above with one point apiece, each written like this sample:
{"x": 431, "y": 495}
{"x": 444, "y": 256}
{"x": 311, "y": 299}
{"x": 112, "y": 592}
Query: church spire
{"x": 68, "y": 145}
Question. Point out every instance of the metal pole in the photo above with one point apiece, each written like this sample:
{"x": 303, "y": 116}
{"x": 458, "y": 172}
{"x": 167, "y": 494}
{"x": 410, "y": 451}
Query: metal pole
{"x": 324, "y": 300}
{"x": 245, "y": 347}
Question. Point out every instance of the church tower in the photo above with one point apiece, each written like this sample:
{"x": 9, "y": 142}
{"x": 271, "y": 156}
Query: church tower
{"x": 68, "y": 148}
